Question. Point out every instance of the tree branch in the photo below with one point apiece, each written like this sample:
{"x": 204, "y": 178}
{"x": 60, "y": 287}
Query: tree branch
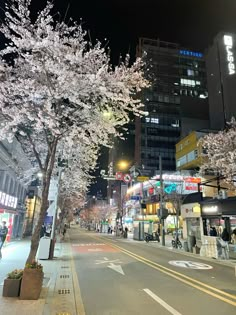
{"x": 35, "y": 152}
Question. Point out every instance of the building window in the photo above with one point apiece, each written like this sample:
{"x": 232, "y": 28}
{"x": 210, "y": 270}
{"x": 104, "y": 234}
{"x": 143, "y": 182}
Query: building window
{"x": 187, "y": 82}
{"x": 190, "y": 156}
{"x": 190, "y": 73}
{"x": 152, "y": 120}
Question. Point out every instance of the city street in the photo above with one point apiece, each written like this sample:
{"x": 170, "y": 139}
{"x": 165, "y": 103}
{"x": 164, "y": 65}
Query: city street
{"x": 118, "y": 276}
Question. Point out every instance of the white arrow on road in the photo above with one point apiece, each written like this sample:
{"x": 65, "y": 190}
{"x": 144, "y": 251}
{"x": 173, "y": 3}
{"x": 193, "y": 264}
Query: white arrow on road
{"x": 117, "y": 268}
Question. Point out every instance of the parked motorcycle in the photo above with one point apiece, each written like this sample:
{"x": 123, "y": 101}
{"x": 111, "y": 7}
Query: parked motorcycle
{"x": 152, "y": 237}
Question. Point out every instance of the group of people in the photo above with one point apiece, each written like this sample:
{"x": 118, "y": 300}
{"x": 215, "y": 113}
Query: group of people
{"x": 3, "y": 236}
{"x": 225, "y": 235}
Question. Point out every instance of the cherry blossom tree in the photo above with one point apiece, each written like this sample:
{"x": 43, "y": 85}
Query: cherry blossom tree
{"x": 220, "y": 152}
{"x": 57, "y": 88}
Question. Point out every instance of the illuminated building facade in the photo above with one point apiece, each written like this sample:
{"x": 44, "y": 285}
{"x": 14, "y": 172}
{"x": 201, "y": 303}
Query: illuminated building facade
{"x": 178, "y": 76}
{"x": 221, "y": 79}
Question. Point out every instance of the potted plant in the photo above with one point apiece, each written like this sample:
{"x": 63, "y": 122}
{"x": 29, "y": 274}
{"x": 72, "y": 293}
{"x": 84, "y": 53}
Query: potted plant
{"x": 11, "y": 286}
{"x": 32, "y": 281}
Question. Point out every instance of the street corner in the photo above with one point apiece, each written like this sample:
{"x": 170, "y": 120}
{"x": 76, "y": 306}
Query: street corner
{"x": 93, "y": 248}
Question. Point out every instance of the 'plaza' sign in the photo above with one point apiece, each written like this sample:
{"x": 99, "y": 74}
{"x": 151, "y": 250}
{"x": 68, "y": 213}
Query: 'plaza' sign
{"x": 228, "y": 41}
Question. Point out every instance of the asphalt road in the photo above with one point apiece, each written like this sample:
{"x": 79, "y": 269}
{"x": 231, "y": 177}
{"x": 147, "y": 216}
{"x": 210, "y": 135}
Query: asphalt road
{"x": 118, "y": 276}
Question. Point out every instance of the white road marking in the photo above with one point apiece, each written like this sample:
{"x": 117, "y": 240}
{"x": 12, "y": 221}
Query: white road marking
{"x": 117, "y": 268}
{"x": 189, "y": 264}
{"x": 161, "y": 302}
{"x": 99, "y": 261}
{"x": 90, "y": 244}
{"x": 94, "y": 250}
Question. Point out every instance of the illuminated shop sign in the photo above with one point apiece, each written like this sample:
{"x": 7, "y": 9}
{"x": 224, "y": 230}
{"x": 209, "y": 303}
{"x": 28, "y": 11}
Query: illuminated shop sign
{"x": 228, "y": 41}
{"x": 191, "y": 53}
{"x": 210, "y": 209}
{"x": 7, "y": 200}
{"x": 170, "y": 188}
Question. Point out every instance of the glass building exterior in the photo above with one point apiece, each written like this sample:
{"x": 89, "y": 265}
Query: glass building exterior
{"x": 177, "y": 75}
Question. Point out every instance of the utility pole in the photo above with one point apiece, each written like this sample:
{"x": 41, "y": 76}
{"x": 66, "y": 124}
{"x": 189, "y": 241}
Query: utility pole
{"x": 161, "y": 203}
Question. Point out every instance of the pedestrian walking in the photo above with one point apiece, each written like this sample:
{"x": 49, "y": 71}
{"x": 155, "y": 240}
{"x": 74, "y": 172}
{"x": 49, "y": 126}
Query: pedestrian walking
{"x": 126, "y": 232}
{"x": 233, "y": 239}
{"x": 3, "y": 235}
{"x": 64, "y": 232}
{"x": 225, "y": 244}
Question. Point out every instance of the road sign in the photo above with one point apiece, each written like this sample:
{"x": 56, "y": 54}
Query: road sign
{"x": 119, "y": 176}
{"x": 127, "y": 178}
{"x": 189, "y": 264}
{"x": 142, "y": 178}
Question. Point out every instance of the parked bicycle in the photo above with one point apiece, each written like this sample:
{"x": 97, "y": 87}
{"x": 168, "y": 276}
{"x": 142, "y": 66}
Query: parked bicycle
{"x": 176, "y": 243}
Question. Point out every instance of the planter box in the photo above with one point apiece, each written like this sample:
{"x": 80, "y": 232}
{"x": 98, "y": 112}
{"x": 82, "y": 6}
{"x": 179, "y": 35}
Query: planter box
{"x": 11, "y": 287}
{"x": 31, "y": 284}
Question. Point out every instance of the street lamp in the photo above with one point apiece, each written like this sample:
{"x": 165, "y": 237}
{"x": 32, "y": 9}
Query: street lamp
{"x": 123, "y": 165}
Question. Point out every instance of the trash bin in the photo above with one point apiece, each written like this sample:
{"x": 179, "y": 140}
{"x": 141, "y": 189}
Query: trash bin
{"x": 44, "y": 247}
{"x": 185, "y": 243}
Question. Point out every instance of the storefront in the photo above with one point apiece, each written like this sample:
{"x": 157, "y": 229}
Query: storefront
{"x": 8, "y": 216}
{"x": 8, "y": 212}
{"x": 219, "y": 214}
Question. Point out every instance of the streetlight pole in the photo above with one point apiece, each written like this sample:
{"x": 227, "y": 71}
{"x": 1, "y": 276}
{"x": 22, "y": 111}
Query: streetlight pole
{"x": 161, "y": 203}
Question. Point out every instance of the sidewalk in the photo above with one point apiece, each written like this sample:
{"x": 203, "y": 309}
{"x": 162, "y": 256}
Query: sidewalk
{"x": 57, "y": 295}
{"x": 60, "y": 293}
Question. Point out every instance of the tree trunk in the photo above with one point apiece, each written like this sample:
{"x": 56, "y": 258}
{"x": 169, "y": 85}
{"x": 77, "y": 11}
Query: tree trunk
{"x": 44, "y": 205}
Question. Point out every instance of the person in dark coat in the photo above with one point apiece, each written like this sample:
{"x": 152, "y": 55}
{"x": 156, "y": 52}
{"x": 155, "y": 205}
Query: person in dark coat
{"x": 213, "y": 231}
{"x": 3, "y": 236}
{"x": 43, "y": 231}
{"x": 225, "y": 235}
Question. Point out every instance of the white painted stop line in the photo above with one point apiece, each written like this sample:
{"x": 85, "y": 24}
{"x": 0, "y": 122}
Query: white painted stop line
{"x": 161, "y": 302}
{"x": 189, "y": 264}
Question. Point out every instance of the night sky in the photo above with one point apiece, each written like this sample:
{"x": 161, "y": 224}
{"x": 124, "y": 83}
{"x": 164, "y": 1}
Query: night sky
{"x": 188, "y": 22}
{"x": 191, "y": 23}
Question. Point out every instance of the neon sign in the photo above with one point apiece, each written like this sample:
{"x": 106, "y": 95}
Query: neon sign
{"x": 191, "y": 53}
{"x": 228, "y": 41}
{"x": 170, "y": 188}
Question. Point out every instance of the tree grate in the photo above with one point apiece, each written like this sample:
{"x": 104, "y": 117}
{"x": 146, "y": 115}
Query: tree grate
{"x": 64, "y": 276}
{"x": 64, "y": 291}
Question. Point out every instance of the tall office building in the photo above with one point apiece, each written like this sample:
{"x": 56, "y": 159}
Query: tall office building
{"x": 178, "y": 82}
{"x": 221, "y": 79}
